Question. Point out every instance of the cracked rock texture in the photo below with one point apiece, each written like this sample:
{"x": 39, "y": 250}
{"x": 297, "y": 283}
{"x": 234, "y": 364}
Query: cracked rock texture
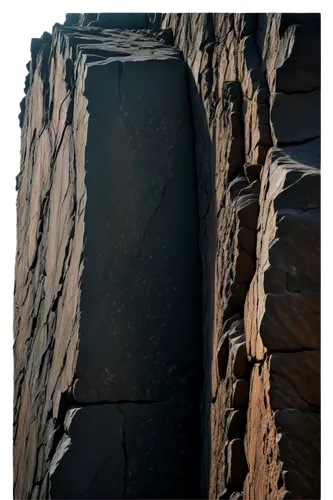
{"x": 108, "y": 336}
{"x": 167, "y": 282}
{"x": 256, "y": 94}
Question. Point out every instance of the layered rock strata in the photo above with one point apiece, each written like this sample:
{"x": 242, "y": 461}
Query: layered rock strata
{"x": 169, "y": 219}
{"x": 256, "y": 87}
{"x": 107, "y": 297}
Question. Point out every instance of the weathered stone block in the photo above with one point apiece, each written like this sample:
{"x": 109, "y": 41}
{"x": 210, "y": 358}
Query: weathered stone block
{"x": 240, "y": 393}
{"x": 289, "y": 200}
{"x": 240, "y": 362}
{"x": 236, "y": 424}
{"x": 298, "y": 60}
{"x": 303, "y": 121}
{"x": 90, "y": 460}
{"x": 140, "y": 224}
{"x": 295, "y": 380}
{"x": 237, "y": 466}
{"x": 299, "y": 449}
{"x": 111, "y": 230}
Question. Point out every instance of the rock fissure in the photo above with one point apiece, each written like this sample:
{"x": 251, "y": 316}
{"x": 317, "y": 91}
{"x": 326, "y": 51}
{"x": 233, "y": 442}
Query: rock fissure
{"x": 125, "y": 452}
{"x": 152, "y": 217}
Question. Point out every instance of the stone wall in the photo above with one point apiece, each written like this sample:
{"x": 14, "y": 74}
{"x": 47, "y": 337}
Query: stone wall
{"x": 257, "y": 78}
{"x": 167, "y": 283}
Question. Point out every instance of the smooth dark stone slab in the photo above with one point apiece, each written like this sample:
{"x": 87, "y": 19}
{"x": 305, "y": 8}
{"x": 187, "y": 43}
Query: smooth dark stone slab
{"x": 140, "y": 330}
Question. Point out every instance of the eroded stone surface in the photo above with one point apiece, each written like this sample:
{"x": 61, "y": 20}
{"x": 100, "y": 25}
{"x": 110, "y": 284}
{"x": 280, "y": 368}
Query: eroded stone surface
{"x": 283, "y": 302}
{"x": 299, "y": 449}
{"x": 237, "y": 466}
{"x": 108, "y": 280}
{"x": 86, "y": 467}
{"x": 107, "y": 294}
{"x": 265, "y": 249}
{"x": 294, "y": 380}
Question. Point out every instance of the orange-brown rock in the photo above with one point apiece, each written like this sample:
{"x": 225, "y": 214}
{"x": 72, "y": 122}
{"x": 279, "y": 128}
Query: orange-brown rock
{"x": 258, "y": 79}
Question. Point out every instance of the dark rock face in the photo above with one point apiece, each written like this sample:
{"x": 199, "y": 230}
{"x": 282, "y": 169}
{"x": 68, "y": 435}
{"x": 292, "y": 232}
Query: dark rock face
{"x": 169, "y": 221}
{"x": 112, "y": 349}
{"x": 237, "y": 466}
{"x": 143, "y": 306}
{"x": 123, "y": 21}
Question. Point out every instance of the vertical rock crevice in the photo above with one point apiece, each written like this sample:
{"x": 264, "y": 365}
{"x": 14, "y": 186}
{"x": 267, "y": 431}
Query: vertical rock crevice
{"x": 124, "y": 450}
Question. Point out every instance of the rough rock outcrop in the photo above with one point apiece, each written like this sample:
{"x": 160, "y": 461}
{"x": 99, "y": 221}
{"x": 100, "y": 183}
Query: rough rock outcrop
{"x": 167, "y": 293}
{"x": 108, "y": 318}
{"x": 256, "y": 83}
